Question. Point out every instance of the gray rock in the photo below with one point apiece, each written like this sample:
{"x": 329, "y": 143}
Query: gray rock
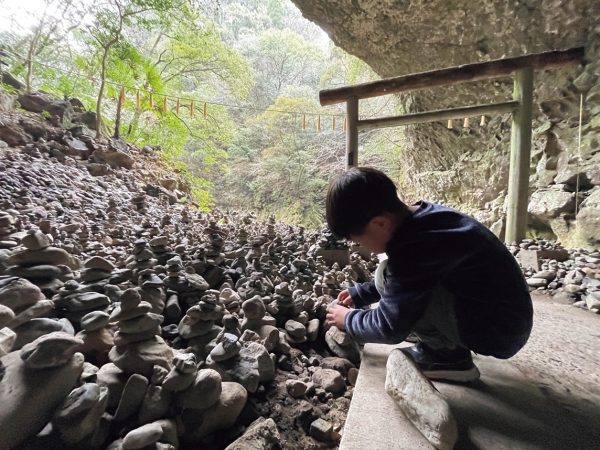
{"x": 140, "y": 357}
{"x": 94, "y": 320}
{"x": 262, "y": 434}
{"x": 132, "y": 397}
{"x": 18, "y": 293}
{"x": 33, "y": 329}
{"x": 7, "y": 340}
{"x": 6, "y": 315}
{"x": 97, "y": 262}
{"x": 536, "y": 282}
{"x": 296, "y": 388}
{"x": 50, "y": 350}
{"x": 350, "y": 352}
{"x": 143, "y": 436}
{"x": 141, "y": 309}
{"x": 140, "y": 324}
{"x": 222, "y": 415}
{"x": 36, "y": 240}
{"x": 27, "y": 400}
{"x": 185, "y": 362}
{"x": 155, "y": 404}
{"x": 330, "y": 380}
{"x": 203, "y": 393}
{"x": 49, "y": 255}
{"x": 421, "y": 403}
{"x": 321, "y": 430}
{"x": 80, "y": 413}
{"x": 295, "y": 329}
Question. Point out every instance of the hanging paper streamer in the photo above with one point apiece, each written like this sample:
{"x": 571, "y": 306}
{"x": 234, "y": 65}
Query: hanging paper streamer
{"x": 122, "y": 96}
{"x": 165, "y": 105}
{"x": 137, "y": 100}
{"x": 344, "y": 125}
{"x": 191, "y": 108}
{"x": 304, "y": 121}
{"x": 318, "y": 123}
{"x": 150, "y": 101}
{"x": 467, "y": 123}
{"x": 482, "y": 121}
{"x": 450, "y": 124}
{"x": 205, "y": 111}
{"x": 333, "y": 123}
{"x": 177, "y": 107}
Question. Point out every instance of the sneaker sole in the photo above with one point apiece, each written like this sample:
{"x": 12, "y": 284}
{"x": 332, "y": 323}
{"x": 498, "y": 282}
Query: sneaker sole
{"x": 421, "y": 402}
{"x": 453, "y": 375}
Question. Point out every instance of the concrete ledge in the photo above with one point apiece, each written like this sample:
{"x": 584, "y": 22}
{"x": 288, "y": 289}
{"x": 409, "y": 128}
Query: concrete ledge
{"x": 502, "y": 410}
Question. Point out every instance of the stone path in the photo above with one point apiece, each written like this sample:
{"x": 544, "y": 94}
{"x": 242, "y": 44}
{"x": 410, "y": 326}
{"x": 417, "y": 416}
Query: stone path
{"x": 545, "y": 398}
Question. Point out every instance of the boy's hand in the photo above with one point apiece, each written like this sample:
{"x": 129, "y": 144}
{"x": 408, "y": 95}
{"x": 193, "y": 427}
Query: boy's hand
{"x": 345, "y": 299}
{"x": 336, "y": 315}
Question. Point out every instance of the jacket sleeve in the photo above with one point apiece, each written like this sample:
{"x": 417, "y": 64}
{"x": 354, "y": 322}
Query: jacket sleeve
{"x": 409, "y": 283}
{"x": 364, "y": 294}
{"x": 398, "y": 310}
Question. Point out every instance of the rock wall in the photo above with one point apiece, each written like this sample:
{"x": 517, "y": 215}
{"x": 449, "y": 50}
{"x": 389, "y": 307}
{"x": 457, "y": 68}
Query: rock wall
{"x": 468, "y": 167}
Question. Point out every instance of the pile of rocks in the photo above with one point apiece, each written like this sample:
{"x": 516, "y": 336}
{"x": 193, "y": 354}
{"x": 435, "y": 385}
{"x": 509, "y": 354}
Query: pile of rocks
{"x": 575, "y": 278}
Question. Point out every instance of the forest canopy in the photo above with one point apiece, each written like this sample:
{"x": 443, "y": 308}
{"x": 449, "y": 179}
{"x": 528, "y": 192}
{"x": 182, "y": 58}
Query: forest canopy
{"x": 227, "y": 90}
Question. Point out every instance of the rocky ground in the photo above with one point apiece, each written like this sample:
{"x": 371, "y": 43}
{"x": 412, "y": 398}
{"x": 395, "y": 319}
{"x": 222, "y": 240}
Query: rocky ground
{"x": 130, "y": 319}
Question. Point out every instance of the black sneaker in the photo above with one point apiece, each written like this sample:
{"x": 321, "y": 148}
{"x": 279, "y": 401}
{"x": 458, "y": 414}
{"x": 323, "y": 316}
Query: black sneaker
{"x": 451, "y": 365}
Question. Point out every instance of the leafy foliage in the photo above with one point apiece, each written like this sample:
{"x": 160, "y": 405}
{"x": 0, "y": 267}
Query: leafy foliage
{"x": 265, "y": 154}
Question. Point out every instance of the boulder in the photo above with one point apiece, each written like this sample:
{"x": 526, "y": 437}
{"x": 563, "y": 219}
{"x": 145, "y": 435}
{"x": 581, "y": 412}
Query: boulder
{"x": 550, "y": 203}
{"x": 29, "y": 398}
{"x": 39, "y": 103}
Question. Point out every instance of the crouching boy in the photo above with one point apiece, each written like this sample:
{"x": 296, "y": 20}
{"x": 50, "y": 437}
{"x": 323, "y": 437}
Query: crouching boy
{"x": 447, "y": 279}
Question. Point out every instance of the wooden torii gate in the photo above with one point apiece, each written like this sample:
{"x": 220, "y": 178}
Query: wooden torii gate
{"x": 520, "y": 106}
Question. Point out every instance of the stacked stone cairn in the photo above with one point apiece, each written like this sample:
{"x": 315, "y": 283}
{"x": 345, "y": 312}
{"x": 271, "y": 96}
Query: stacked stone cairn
{"x": 7, "y": 227}
{"x": 138, "y": 345}
{"x": 40, "y": 263}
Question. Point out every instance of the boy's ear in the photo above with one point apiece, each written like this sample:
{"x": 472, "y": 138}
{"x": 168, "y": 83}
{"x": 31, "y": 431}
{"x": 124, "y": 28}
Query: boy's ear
{"x": 380, "y": 221}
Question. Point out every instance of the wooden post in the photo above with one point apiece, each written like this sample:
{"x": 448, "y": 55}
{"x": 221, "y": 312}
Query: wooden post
{"x": 351, "y": 132}
{"x": 520, "y": 150}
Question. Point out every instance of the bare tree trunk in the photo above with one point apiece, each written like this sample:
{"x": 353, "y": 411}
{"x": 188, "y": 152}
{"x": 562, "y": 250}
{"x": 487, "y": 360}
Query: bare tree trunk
{"x": 101, "y": 92}
{"x": 118, "y": 116}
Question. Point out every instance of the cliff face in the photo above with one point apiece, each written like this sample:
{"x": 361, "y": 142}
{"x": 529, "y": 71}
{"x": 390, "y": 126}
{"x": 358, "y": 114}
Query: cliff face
{"x": 469, "y": 167}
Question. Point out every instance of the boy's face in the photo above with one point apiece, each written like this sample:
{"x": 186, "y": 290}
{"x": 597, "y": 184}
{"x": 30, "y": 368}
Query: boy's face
{"x": 376, "y": 234}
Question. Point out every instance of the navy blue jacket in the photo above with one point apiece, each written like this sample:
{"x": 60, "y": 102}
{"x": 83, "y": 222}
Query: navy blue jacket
{"x": 439, "y": 246}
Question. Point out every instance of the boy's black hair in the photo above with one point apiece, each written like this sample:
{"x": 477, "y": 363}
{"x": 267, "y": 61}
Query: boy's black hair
{"x": 358, "y": 195}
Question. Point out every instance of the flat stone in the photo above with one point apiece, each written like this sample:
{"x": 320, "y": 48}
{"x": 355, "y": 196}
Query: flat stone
{"x": 39, "y": 309}
{"x": 227, "y": 348}
{"x": 18, "y": 293}
{"x": 33, "y": 329}
{"x": 140, "y": 357}
{"x": 40, "y": 272}
{"x": 141, "y": 309}
{"x": 50, "y": 350}
{"x": 27, "y": 402}
{"x": 94, "y": 320}
{"x": 36, "y": 241}
{"x": 143, "y": 436}
{"x": 50, "y": 255}
{"x": 122, "y": 339}
{"x": 342, "y": 365}
{"x": 99, "y": 263}
{"x": 295, "y": 329}
{"x": 420, "y": 401}
{"x": 140, "y": 324}
{"x": 84, "y": 301}
{"x": 536, "y": 282}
